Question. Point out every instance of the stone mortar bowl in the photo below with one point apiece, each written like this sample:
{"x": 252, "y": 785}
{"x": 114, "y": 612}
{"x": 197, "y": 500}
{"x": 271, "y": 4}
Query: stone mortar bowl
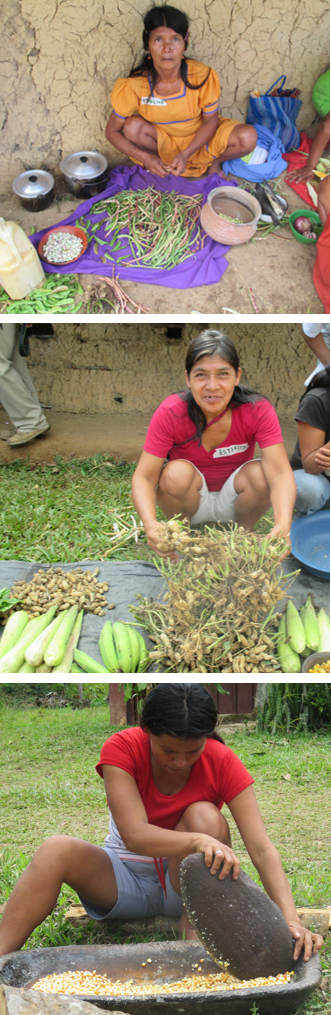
{"x": 233, "y": 202}
{"x": 170, "y": 961}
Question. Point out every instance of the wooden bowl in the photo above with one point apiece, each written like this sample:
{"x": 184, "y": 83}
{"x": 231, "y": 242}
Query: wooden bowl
{"x": 235, "y": 203}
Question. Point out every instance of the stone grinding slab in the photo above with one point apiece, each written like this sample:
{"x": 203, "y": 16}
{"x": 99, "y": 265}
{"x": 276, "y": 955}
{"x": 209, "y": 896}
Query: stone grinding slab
{"x": 170, "y": 960}
{"x": 17, "y": 1001}
{"x": 236, "y": 921}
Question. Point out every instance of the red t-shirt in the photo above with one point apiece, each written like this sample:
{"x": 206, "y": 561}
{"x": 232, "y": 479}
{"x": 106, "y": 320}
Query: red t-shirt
{"x": 217, "y": 776}
{"x": 251, "y": 422}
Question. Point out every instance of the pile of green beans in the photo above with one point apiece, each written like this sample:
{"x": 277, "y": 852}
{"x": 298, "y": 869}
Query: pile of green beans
{"x": 57, "y": 295}
{"x": 162, "y": 229}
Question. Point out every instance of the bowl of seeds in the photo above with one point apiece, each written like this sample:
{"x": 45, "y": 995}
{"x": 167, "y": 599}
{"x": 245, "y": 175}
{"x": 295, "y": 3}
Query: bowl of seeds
{"x": 230, "y": 215}
{"x": 62, "y": 245}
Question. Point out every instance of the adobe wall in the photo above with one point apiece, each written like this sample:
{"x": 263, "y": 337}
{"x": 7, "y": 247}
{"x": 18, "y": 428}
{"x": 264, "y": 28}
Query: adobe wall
{"x": 102, "y": 368}
{"x": 60, "y": 61}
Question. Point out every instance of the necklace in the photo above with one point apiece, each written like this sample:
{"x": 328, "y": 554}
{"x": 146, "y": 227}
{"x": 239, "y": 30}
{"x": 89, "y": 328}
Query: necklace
{"x": 216, "y": 418}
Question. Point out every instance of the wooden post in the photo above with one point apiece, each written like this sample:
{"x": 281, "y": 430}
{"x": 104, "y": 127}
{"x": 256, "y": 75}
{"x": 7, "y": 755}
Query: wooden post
{"x": 117, "y": 706}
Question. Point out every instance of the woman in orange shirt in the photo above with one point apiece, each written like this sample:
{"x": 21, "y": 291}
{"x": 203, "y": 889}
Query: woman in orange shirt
{"x": 165, "y": 114}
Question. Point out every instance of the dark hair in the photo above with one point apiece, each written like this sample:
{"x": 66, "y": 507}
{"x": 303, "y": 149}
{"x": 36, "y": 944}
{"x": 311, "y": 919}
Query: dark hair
{"x": 211, "y": 343}
{"x": 157, "y": 17}
{"x": 320, "y": 380}
{"x": 185, "y": 711}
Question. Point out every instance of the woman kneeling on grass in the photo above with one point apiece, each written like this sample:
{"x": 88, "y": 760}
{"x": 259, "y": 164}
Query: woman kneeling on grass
{"x": 166, "y": 782}
{"x": 206, "y": 435}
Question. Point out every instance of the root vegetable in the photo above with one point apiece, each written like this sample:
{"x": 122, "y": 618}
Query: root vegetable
{"x": 213, "y": 600}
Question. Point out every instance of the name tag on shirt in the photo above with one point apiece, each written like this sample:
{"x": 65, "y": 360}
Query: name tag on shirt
{"x": 150, "y": 100}
{"x": 234, "y": 449}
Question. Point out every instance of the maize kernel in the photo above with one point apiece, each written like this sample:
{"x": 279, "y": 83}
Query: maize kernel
{"x": 85, "y": 982}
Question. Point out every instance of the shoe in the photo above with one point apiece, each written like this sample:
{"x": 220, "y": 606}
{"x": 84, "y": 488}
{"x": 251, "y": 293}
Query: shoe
{"x": 24, "y": 438}
{"x": 9, "y": 432}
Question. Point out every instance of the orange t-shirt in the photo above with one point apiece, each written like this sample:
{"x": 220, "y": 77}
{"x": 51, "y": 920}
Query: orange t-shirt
{"x": 177, "y": 118}
{"x": 179, "y": 115}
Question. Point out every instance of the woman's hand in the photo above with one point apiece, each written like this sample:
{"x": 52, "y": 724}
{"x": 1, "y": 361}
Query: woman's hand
{"x": 312, "y": 943}
{"x": 155, "y": 533}
{"x": 322, "y": 457}
{"x": 217, "y": 853}
{"x": 155, "y": 164}
{"x": 178, "y": 164}
{"x": 275, "y": 533}
{"x": 300, "y": 175}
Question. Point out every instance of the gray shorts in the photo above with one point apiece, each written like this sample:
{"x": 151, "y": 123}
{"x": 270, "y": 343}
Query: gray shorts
{"x": 140, "y": 892}
{"x": 218, "y": 506}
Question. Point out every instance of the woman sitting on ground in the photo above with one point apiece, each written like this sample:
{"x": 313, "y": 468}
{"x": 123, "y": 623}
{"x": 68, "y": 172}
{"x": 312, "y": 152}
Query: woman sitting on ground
{"x": 165, "y": 114}
{"x": 311, "y": 457}
{"x": 198, "y": 455}
{"x": 166, "y": 782}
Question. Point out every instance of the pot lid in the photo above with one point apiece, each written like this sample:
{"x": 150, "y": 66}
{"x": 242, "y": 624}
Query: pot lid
{"x": 33, "y": 183}
{"x": 84, "y": 165}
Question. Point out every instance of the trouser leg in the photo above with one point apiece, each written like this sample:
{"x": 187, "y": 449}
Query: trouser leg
{"x": 17, "y": 391}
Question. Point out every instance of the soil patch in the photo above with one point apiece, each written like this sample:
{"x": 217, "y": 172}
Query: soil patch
{"x": 276, "y": 270}
{"x": 79, "y": 435}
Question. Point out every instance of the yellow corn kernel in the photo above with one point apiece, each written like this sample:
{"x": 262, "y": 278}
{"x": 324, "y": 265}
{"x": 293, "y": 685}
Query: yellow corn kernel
{"x": 86, "y": 982}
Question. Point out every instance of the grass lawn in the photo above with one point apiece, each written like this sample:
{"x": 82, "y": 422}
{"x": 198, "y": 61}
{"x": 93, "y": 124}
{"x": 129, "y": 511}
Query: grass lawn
{"x": 66, "y": 511}
{"x": 49, "y": 785}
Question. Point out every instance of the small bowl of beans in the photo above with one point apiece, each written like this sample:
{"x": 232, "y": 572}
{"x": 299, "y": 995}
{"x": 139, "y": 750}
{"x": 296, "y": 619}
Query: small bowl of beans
{"x": 62, "y": 245}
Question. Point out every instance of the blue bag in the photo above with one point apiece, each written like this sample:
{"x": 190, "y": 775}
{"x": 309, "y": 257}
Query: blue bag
{"x": 268, "y": 170}
{"x": 278, "y": 113}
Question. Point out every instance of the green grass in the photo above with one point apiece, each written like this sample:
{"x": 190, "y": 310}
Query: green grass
{"x": 65, "y": 511}
{"x": 49, "y": 785}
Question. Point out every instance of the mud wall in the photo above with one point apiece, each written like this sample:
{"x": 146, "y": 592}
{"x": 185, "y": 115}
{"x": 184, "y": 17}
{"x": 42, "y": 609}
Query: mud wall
{"x": 102, "y": 368}
{"x": 59, "y": 62}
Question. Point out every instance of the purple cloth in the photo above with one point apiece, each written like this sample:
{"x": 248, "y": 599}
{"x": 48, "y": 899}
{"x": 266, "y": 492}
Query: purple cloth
{"x": 203, "y": 268}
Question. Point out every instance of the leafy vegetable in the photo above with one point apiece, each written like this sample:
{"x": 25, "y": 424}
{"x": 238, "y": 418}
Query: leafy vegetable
{"x": 7, "y": 601}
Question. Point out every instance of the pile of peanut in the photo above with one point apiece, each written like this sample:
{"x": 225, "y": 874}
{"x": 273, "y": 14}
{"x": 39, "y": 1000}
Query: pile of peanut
{"x": 67, "y": 588}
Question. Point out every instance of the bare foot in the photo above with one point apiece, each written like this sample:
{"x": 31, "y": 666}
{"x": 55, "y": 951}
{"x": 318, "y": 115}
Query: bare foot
{"x": 216, "y": 168}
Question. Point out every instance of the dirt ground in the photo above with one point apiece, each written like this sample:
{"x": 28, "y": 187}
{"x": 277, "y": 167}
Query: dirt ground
{"x": 276, "y": 269}
{"x": 79, "y": 435}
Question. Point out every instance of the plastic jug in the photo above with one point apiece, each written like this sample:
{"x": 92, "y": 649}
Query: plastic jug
{"x": 20, "y": 267}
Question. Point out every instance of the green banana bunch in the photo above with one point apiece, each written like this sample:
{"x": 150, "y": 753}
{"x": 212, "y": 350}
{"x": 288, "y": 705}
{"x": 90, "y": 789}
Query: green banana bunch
{"x": 122, "y": 648}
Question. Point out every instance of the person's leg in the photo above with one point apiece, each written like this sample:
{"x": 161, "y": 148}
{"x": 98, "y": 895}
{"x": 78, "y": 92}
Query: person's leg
{"x": 178, "y": 490}
{"x": 141, "y": 133}
{"x": 61, "y": 859}
{"x": 253, "y": 495}
{"x": 313, "y": 492}
{"x": 199, "y": 816}
{"x": 241, "y": 141}
{"x": 17, "y": 392}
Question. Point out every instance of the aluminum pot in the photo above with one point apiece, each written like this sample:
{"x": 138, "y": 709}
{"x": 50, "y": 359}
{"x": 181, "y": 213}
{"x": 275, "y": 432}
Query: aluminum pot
{"x": 35, "y": 189}
{"x": 85, "y": 173}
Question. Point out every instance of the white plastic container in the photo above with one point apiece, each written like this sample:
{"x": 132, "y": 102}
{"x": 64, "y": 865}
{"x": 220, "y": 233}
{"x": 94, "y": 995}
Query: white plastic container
{"x": 20, "y": 267}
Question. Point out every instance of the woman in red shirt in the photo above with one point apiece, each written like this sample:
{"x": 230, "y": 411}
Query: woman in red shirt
{"x": 166, "y": 783}
{"x": 208, "y": 434}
